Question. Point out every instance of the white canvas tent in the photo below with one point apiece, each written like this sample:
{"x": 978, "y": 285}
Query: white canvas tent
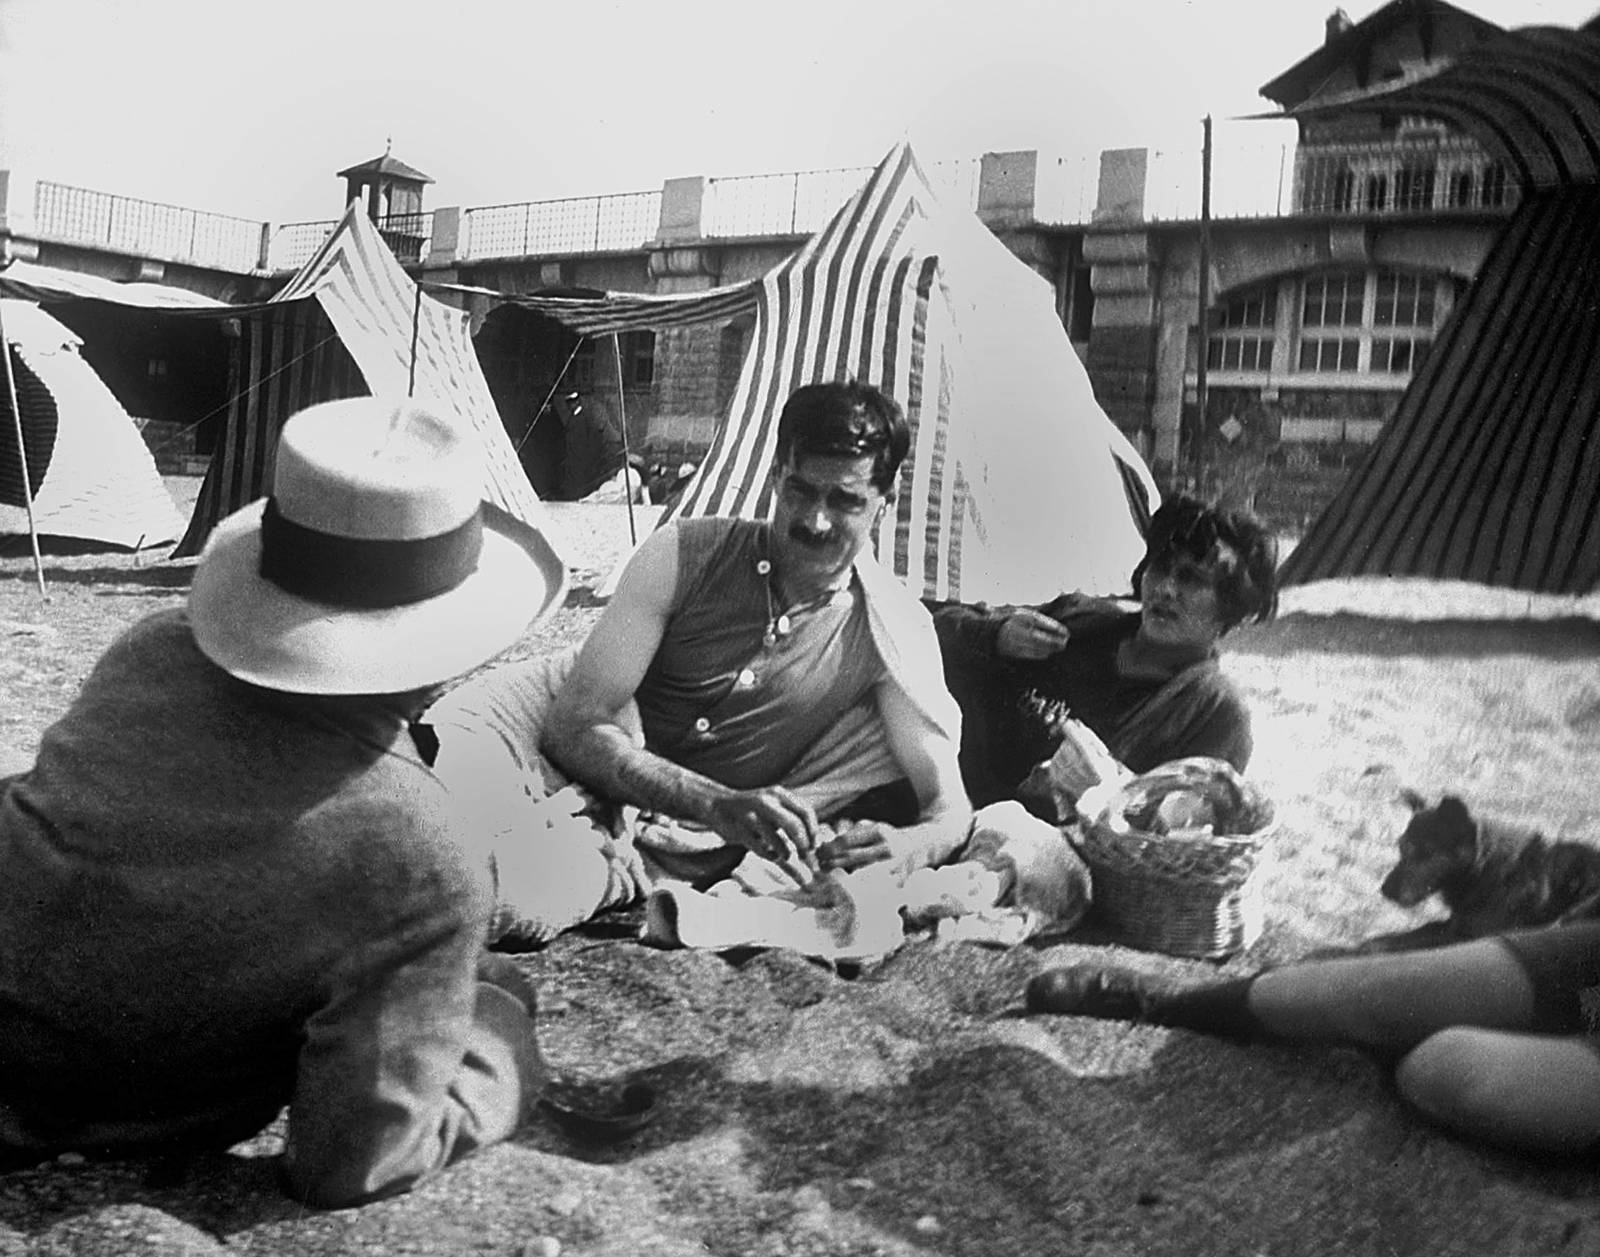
{"x": 1018, "y": 486}
{"x": 89, "y": 472}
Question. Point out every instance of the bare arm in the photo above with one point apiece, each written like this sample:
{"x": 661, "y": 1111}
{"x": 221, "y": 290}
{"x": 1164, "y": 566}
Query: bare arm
{"x": 584, "y": 733}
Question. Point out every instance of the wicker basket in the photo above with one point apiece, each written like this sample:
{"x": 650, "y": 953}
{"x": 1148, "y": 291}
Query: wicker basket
{"x": 1184, "y": 895}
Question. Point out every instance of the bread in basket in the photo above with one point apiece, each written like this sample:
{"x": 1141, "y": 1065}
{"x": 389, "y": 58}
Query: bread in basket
{"x": 1174, "y": 853}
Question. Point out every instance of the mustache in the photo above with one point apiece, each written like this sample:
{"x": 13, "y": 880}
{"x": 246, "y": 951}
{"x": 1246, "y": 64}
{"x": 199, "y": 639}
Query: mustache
{"x": 802, "y": 535}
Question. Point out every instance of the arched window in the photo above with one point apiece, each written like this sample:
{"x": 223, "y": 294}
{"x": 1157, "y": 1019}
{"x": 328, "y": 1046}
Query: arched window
{"x": 1413, "y": 186}
{"x": 1494, "y": 184}
{"x": 1344, "y": 191}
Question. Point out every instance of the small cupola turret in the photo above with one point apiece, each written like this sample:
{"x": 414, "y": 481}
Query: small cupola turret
{"x": 386, "y": 186}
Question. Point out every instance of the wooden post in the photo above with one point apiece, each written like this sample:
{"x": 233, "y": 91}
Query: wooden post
{"x": 22, "y": 456}
{"x": 1197, "y": 449}
{"x": 416, "y": 322}
{"x": 627, "y": 461}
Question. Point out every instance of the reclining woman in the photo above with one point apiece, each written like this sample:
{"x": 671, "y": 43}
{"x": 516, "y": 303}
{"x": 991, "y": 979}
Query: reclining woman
{"x": 1495, "y": 1039}
{"x": 1143, "y": 678}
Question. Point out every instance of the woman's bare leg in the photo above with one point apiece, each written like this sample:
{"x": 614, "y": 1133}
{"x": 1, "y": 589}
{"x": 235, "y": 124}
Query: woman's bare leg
{"x": 1395, "y": 1000}
{"x": 1533, "y": 1093}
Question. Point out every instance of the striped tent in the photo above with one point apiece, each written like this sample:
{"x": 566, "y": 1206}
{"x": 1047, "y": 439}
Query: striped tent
{"x": 351, "y": 321}
{"x": 1017, "y": 487}
{"x": 89, "y": 475}
{"x": 1489, "y": 470}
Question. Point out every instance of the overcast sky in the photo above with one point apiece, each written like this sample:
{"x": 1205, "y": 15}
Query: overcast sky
{"x": 250, "y": 108}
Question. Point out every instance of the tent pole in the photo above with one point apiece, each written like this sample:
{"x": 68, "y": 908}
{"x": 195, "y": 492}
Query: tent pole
{"x": 1197, "y": 448}
{"x": 539, "y": 414}
{"x": 416, "y": 322}
{"x": 627, "y": 459}
{"x": 22, "y": 456}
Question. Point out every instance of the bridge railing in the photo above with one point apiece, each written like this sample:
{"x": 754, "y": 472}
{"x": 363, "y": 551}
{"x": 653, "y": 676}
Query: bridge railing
{"x": 578, "y": 224}
{"x": 153, "y": 229}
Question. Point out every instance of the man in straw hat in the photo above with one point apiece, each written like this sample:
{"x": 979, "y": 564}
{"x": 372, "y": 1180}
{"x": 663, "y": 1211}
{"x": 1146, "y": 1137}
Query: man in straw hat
{"x": 761, "y": 705}
{"x": 232, "y": 883}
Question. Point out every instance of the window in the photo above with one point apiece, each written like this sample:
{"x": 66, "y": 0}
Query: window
{"x": 1242, "y": 332}
{"x": 1344, "y": 191}
{"x": 638, "y": 358}
{"x": 1494, "y": 184}
{"x": 156, "y": 368}
{"x": 1377, "y": 194}
{"x": 1374, "y": 321}
{"x": 1329, "y": 315}
{"x": 580, "y": 375}
{"x": 1461, "y": 189}
{"x": 1413, "y": 186}
{"x": 1402, "y": 320}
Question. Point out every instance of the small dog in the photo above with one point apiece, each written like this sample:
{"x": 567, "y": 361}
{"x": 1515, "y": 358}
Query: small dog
{"x": 1493, "y": 876}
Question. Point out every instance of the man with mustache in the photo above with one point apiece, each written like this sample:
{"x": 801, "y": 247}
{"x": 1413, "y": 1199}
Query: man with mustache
{"x": 744, "y": 644}
{"x": 760, "y": 703}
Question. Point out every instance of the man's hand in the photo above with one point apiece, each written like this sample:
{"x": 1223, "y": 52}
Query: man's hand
{"x": 1030, "y": 634}
{"x": 856, "y": 844}
{"x": 775, "y": 823}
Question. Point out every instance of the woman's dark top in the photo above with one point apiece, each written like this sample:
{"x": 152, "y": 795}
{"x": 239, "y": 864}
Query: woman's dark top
{"x": 1012, "y": 709}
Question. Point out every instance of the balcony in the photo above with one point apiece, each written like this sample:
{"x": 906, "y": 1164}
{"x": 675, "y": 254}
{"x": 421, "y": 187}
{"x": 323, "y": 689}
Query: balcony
{"x": 1418, "y": 176}
{"x": 1429, "y": 174}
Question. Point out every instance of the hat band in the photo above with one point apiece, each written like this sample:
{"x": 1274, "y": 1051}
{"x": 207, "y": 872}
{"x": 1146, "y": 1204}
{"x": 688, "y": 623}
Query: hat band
{"x": 361, "y": 571}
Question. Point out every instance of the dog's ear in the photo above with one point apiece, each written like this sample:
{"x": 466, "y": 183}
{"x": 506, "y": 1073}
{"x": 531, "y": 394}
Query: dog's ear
{"x": 1453, "y": 810}
{"x": 1412, "y": 799}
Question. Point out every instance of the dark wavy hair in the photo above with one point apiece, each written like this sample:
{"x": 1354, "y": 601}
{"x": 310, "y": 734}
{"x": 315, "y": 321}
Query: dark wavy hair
{"x": 846, "y": 419}
{"x": 1244, "y": 552}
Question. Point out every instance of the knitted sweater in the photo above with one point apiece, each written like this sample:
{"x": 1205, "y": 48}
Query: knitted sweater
{"x": 215, "y": 900}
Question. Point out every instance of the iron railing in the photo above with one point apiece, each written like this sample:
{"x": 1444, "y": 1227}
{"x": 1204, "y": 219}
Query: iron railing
{"x": 580, "y": 224}
{"x": 407, "y": 236}
{"x": 152, "y": 229}
{"x": 797, "y": 203}
{"x": 1425, "y": 173}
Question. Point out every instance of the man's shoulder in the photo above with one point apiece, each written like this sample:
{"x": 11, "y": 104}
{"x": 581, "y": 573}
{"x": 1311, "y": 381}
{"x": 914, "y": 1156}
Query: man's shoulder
{"x": 711, "y": 545}
{"x": 167, "y": 630}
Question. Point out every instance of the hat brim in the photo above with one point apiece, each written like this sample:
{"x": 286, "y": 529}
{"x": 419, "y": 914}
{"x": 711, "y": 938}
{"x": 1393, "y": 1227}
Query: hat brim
{"x": 262, "y": 634}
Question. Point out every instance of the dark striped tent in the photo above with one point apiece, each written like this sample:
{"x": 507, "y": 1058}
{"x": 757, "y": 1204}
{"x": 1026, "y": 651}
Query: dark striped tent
{"x": 1017, "y": 486}
{"x": 350, "y": 322}
{"x": 1489, "y": 470}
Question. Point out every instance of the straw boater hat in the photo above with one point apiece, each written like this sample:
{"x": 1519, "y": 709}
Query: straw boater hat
{"x": 373, "y": 568}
